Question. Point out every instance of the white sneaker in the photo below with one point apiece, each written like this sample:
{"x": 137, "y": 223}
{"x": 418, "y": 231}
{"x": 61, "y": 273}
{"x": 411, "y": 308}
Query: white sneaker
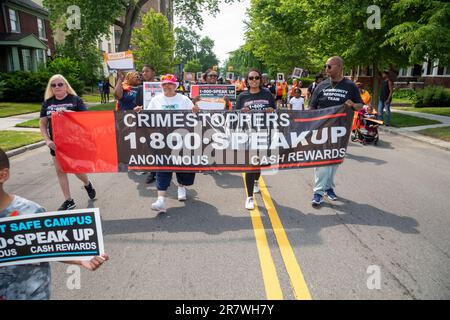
{"x": 181, "y": 193}
{"x": 249, "y": 205}
{"x": 256, "y": 187}
{"x": 159, "y": 205}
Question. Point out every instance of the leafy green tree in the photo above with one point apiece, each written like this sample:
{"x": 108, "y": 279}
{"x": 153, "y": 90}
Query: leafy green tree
{"x": 424, "y": 30}
{"x": 206, "y": 54}
{"x": 154, "y": 43}
{"x": 242, "y": 60}
{"x": 98, "y": 16}
{"x": 277, "y": 34}
{"x": 193, "y": 66}
{"x": 186, "y": 44}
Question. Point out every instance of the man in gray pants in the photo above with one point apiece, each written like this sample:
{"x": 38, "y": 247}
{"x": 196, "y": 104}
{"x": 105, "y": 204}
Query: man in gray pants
{"x": 334, "y": 91}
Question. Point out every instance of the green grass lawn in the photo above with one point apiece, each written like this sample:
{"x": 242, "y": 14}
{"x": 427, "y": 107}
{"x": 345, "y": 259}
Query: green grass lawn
{"x": 105, "y": 106}
{"x": 89, "y": 98}
{"x": 444, "y": 111}
{"x": 29, "y": 124}
{"x": 402, "y": 120}
{"x": 442, "y": 133}
{"x": 15, "y": 139}
{"x": 8, "y": 109}
{"x": 402, "y": 100}
{"x": 35, "y": 122}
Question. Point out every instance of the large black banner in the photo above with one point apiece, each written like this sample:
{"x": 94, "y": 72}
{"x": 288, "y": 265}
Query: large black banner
{"x": 231, "y": 141}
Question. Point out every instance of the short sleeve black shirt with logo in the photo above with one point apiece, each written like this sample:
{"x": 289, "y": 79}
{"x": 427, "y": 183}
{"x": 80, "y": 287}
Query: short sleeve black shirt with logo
{"x": 328, "y": 95}
{"x": 70, "y": 102}
{"x": 255, "y": 101}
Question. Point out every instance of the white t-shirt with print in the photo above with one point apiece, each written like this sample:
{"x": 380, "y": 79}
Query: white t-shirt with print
{"x": 177, "y": 102}
{"x": 297, "y": 104}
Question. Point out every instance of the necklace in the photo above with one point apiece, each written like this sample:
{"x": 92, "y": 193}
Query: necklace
{"x": 331, "y": 82}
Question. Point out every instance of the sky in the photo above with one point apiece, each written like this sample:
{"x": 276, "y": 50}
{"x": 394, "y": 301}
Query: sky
{"x": 226, "y": 28}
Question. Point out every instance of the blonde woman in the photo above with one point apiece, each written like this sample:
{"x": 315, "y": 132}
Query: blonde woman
{"x": 60, "y": 97}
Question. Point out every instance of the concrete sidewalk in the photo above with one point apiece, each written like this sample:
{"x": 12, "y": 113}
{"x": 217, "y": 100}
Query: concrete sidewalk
{"x": 9, "y": 123}
{"x": 411, "y": 132}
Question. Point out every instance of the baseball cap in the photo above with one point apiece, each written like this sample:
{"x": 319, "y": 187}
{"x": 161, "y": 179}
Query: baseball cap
{"x": 169, "y": 78}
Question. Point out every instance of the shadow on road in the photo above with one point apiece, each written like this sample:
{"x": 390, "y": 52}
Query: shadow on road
{"x": 195, "y": 216}
{"x": 308, "y": 226}
{"x": 228, "y": 180}
{"x": 378, "y": 162}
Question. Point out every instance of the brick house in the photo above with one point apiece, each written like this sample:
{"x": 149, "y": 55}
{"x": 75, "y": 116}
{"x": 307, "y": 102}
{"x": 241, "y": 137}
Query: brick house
{"x": 417, "y": 76}
{"x": 26, "y": 38}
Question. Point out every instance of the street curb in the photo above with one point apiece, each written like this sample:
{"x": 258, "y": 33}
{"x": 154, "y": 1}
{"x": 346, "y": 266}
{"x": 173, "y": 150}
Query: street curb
{"x": 15, "y": 152}
{"x": 418, "y": 137}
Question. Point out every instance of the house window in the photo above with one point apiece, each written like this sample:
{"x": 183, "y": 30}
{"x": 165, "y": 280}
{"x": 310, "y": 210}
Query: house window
{"x": 27, "y": 61}
{"x": 447, "y": 71}
{"x": 403, "y": 72}
{"x": 40, "y": 56}
{"x": 41, "y": 28}
{"x": 14, "y": 19}
{"x": 109, "y": 47}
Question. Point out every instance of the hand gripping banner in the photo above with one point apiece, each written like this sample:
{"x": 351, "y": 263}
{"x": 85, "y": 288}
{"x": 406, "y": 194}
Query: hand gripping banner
{"x": 107, "y": 141}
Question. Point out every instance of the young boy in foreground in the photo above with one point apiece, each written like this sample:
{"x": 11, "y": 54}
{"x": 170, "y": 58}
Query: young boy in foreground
{"x": 30, "y": 281}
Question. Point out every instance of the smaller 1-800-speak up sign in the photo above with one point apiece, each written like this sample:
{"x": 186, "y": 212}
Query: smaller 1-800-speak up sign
{"x": 51, "y": 236}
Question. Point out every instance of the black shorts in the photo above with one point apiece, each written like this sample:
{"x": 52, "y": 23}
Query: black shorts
{"x": 279, "y": 98}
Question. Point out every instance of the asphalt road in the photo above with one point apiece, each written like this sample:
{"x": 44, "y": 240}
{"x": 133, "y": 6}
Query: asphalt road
{"x": 391, "y": 221}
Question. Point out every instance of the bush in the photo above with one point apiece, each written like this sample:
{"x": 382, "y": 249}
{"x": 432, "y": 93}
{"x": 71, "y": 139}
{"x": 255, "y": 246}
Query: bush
{"x": 24, "y": 86}
{"x": 433, "y": 97}
{"x": 2, "y": 88}
{"x": 30, "y": 86}
{"x": 307, "y": 81}
{"x": 405, "y": 93}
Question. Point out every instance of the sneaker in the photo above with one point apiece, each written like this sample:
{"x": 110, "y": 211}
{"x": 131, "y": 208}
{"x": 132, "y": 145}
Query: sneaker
{"x": 249, "y": 205}
{"x": 181, "y": 194}
{"x": 317, "y": 199}
{"x": 151, "y": 178}
{"x": 331, "y": 195}
{"x": 90, "y": 191}
{"x": 67, "y": 205}
{"x": 256, "y": 187}
{"x": 159, "y": 205}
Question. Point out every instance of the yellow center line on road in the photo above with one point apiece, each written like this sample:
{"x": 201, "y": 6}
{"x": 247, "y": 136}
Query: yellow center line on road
{"x": 301, "y": 291}
{"x": 269, "y": 271}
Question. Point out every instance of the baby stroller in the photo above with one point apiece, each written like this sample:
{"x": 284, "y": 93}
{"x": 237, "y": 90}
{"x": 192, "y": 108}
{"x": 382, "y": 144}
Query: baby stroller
{"x": 365, "y": 126}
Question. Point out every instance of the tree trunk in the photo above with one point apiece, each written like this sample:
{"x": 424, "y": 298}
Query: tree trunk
{"x": 375, "y": 87}
{"x": 131, "y": 16}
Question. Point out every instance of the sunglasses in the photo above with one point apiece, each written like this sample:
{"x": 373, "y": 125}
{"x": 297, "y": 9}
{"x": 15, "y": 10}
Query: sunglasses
{"x": 212, "y": 75}
{"x": 254, "y": 78}
{"x": 54, "y": 85}
{"x": 328, "y": 66}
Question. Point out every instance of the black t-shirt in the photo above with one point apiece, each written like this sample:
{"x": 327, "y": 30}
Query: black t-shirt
{"x": 255, "y": 101}
{"x": 327, "y": 95}
{"x": 385, "y": 90}
{"x": 70, "y": 102}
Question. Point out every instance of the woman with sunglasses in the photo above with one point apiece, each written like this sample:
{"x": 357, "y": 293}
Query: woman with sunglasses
{"x": 211, "y": 77}
{"x": 171, "y": 100}
{"x": 60, "y": 97}
{"x": 126, "y": 90}
{"x": 256, "y": 98}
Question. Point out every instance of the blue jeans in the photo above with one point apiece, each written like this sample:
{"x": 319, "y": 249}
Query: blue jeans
{"x": 324, "y": 178}
{"x": 382, "y": 105}
{"x": 163, "y": 179}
